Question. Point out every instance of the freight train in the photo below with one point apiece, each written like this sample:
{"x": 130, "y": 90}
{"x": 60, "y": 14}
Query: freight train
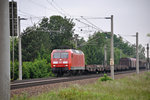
{"x": 73, "y": 62}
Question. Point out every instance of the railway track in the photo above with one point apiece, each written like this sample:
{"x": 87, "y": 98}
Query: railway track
{"x": 44, "y": 81}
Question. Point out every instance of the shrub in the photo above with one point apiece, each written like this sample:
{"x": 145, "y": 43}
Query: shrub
{"x": 26, "y": 70}
{"x": 37, "y": 69}
{"x": 105, "y": 78}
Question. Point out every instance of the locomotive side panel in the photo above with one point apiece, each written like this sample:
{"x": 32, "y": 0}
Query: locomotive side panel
{"x": 77, "y": 60}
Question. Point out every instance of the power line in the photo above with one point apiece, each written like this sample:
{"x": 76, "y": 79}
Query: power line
{"x": 90, "y": 41}
{"x": 126, "y": 39}
{"x": 34, "y": 29}
{"x": 26, "y": 13}
{"x": 61, "y": 8}
{"x": 84, "y": 31}
{"x": 87, "y": 17}
{"x": 55, "y": 8}
{"x": 92, "y": 24}
{"x": 63, "y": 12}
{"x": 40, "y": 5}
{"x": 86, "y": 24}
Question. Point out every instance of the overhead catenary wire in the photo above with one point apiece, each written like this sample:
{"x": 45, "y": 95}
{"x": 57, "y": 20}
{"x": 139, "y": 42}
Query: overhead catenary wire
{"x": 61, "y": 9}
{"x": 50, "y": 3}
{"x": 92, "y": 24}
{"x": 40, "y": 5}
{"x": 126, "y": 39}
{"x": 34, "y": 29}
{"x": 90, "y": 41}
{"x": 31, "y": 16}
{"x": 85, "y": 23}
{"x": 26, "y": 13}
{"x": 67, "y": 14}
{"x": 64, "y": 13}
{"x": 87, "y": 17}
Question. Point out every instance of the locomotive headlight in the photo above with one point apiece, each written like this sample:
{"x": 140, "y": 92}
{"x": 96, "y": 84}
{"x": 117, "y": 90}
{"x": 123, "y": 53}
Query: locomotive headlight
{"x": 55, "y": 62}
{"x": 54, "y": 65}
{"x": 65, "y": 62}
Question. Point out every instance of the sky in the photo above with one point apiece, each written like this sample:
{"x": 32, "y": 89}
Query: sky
{"x": 130, "y": 16}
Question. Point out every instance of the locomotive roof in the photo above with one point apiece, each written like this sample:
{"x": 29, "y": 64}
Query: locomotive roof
{"x": 72, "y": 50}
{"x": 77, "y": 51}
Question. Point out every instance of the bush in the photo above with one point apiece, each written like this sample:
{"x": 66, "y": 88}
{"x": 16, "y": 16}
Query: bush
{"x": 26, "y": 70}
{"x": 37, "y": 69}
{"x": 105, "y": 78}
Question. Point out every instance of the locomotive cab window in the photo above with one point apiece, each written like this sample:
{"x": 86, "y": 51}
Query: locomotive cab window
{"x": 56, "y": 55}
{"x": 64, "y": 55}
{"x": 60, "y": 55}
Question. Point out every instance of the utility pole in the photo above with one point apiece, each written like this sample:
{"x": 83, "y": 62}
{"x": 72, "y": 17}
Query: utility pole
{"x": 148, "y": 57}
{"x": 112, "y": 50}
{"x": 137, "y": 54}
{"x": 20, "y": 51}
{"x": 4, "y": 51}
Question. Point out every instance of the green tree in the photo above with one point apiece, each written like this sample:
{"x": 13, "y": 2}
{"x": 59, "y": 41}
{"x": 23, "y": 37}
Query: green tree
{"x": 141, "y": 52}
{"x": 65, "y": 32}
{"x": 94, "y": 48}
{"x": 51, "y": 33}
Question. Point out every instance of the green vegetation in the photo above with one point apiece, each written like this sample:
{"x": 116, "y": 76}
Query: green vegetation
{"x": 57, "y": 32}
{"x": 94, "y": 48}
{"x": 37, "y": 69}
{"x": 104, "y": 78}
{"x": 135, "y": 87}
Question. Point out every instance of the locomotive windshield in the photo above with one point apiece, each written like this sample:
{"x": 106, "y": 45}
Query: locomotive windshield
{"x": 64, "y": 55}
{"x": 56, "y": 55}
{"x": 60, "y": 55}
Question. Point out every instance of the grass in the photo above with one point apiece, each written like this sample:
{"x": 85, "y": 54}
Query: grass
{"x": 135, "y": 87}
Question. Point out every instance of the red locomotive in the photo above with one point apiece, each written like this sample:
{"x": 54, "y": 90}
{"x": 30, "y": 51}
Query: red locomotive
{"x": 67, "y": 60}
